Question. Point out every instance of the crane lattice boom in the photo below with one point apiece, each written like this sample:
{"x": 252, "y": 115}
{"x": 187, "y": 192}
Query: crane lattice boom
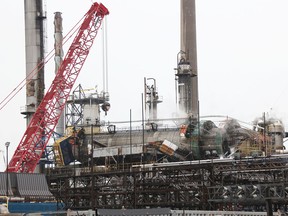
{"x": 45, "y": 119}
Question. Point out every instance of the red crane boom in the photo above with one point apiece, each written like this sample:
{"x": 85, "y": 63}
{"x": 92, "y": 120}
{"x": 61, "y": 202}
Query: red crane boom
{"x": 45, "y": 119}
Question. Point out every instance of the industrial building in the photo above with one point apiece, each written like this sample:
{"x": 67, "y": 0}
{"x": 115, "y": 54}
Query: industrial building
{"x": 185, "y": 163}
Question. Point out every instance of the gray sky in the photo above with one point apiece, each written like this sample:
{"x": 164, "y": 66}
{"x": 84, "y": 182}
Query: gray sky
{"x": 242, "y": 50}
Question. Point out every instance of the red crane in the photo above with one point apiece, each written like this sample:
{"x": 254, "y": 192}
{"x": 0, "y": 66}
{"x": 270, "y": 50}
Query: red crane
{"x": 45, "y": 119}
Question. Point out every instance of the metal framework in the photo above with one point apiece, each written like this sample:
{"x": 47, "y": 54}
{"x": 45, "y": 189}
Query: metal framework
{"x": 250, "y": 184}
{"x": 45, "y": 119}
{"x": 74, "y": 110}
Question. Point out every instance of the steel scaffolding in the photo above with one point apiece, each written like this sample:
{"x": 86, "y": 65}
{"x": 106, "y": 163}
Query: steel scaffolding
{"x": 247, "y": 184}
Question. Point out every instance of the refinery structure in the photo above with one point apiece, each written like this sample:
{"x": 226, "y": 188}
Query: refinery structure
{"x": 184, "y": 163}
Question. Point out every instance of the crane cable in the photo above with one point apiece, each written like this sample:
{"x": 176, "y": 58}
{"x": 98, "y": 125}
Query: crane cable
{"x": 105, "y": 56}
{"x": 40, "y": 65}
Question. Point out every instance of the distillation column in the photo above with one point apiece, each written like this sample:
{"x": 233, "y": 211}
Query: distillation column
{"x": 187, "y": 61}
{"x": 151, "y": 99}
{"x": 35, "y": 16}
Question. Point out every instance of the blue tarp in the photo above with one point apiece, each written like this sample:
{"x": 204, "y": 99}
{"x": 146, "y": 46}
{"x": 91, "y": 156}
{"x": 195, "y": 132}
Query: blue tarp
{"x": 15, "y": 207}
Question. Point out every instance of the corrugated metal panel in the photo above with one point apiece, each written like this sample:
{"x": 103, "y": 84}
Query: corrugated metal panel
{"x": 33, "y": 185}
{"x": 3, "y": 187}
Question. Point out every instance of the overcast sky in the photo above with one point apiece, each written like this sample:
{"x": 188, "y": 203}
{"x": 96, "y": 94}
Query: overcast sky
{"x": 242, "y": 50}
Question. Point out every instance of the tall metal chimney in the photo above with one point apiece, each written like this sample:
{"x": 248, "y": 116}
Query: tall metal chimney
{"x": 58, "y": 39}
{"x": 186, "y": 74}
{"x": 35, "y": 16}
{"x": 35, "y": 32}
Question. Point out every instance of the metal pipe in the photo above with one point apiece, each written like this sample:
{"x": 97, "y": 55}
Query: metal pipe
{"x": 7, "y": 177}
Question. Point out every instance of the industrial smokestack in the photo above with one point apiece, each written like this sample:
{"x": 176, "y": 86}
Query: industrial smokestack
{"x": 58, "y": 39}
{"x": 187, "y": 61}
{"x": 35, "y": 17}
